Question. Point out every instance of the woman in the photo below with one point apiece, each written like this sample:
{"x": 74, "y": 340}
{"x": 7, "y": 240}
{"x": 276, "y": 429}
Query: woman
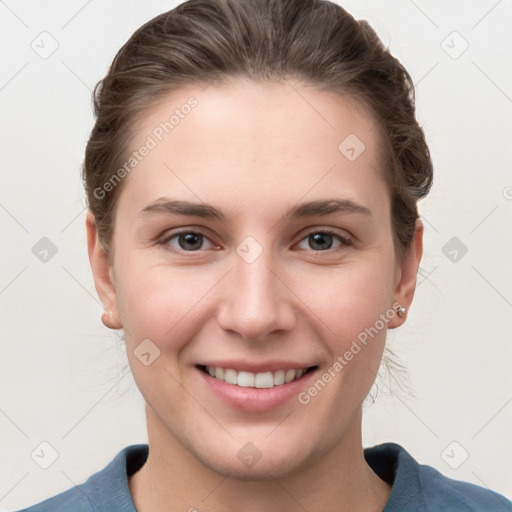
{"x": 252, "y": 180}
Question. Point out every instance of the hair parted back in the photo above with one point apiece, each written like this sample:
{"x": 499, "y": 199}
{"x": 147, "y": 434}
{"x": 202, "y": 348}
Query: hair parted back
{"x": 211, "y": 41}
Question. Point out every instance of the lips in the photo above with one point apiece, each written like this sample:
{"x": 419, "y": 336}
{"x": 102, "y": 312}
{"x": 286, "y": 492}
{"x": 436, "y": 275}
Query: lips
{"x": 255, "y": 386}
{"x": 260, "y": 380}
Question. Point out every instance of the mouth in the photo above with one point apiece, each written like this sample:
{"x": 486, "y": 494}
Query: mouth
{"x": 260, "y": 380}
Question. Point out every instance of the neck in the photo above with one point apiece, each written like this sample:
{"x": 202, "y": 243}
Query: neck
{"x": 173, "y": 479}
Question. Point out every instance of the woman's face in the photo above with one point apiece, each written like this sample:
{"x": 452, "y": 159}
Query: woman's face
{"x": 254, "y": 235}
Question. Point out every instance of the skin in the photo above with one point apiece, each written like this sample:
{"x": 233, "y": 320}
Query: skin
{"x": 253, "y": 151}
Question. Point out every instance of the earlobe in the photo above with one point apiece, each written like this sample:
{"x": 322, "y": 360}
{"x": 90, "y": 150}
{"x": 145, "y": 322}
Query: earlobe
{"x": 109, "y": 321}
{"x": 407, "y": 274}
{"x": 102, "y": 273}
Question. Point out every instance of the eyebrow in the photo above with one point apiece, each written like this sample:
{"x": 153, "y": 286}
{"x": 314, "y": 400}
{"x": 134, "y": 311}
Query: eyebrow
{"x": 307, "y": 209}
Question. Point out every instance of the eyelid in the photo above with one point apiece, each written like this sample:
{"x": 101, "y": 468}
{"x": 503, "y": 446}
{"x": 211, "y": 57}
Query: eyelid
{"x": 178, "y": 231}
{"x": 346, "y": 240}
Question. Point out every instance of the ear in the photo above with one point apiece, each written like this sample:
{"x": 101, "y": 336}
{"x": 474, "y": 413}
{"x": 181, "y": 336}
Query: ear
{"x": 406, "y": 274}
{"x": 103, "y": 274}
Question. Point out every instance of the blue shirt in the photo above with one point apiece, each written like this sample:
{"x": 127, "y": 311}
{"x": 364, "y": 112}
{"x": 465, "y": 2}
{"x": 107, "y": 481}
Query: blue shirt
{"x": 415, "y": 487}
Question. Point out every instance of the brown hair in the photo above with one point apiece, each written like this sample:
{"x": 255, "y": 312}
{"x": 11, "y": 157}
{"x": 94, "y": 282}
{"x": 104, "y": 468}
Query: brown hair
{"x": 205, "y": 41}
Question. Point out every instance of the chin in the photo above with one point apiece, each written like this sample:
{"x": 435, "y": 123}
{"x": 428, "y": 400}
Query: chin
{"x": 266, "y": 468}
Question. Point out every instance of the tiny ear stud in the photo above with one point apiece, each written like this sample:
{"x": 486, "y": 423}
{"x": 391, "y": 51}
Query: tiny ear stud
{"x": 401, "y": 311}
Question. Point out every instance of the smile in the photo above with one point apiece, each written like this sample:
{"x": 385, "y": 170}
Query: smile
{"x": 263, "y": 380}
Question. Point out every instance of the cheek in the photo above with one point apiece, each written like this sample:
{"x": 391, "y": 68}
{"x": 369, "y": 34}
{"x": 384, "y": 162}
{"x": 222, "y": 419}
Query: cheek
{"x": 353, "y": 298}
{"x": 162, "y": 306}
{"x": 160, "y": 303}
{"x": 355, "y": 309}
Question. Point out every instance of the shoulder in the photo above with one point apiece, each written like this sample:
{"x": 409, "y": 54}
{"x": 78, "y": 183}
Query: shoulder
{"x": 105, "y": 490}
{"x": 418, "y": 487}
{"x": 72, "y": 499}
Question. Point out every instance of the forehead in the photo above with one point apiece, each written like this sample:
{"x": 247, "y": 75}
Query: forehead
{"x": 256, "y": 140}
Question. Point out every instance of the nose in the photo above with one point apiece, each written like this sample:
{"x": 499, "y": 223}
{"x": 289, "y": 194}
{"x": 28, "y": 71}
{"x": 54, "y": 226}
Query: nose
{"x": 256, "y": 301}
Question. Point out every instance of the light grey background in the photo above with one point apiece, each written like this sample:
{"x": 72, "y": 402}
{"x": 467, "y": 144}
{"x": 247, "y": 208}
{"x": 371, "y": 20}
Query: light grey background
{"x": 61, "y": 370}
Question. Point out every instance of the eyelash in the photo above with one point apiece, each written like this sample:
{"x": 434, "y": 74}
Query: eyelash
{"x": 165, "y": 241}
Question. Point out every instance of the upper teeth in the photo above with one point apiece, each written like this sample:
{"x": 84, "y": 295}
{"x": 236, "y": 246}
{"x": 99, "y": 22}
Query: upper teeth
{"x": 255, "y": 380}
